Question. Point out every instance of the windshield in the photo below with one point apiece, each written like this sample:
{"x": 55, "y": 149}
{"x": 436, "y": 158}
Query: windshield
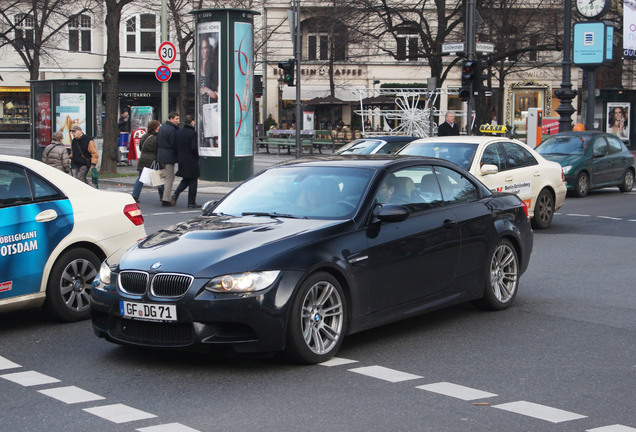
{"x": 460, "y": 153}
{"x": 363, "y": 146}
{"x": 563, "y": 145}
{"x": 299, "y": 192}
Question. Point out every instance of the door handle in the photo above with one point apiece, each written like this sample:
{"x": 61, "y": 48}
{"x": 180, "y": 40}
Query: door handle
{"x": 449, "y": 223}
{"x": 537, "y": 174}
{"x": 508, "y": 179}
{"x": 46, "y": 216}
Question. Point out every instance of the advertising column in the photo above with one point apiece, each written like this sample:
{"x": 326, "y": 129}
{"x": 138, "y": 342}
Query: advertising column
{"x": 224, "y": 83}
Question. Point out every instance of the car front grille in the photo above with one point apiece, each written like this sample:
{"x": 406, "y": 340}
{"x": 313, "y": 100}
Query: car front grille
{"x": 133, "y": 282}
{"x": 164, "y": 285}
{"x": 170, "y": 285}
{"x": 151, "y": 333}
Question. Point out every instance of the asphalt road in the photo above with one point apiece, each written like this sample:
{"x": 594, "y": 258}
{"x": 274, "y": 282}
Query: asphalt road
{"x": 561, "y": 359}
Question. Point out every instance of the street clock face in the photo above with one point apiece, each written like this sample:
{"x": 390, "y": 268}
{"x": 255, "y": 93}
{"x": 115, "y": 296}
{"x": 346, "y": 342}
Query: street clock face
{"x": 592, "y": 8}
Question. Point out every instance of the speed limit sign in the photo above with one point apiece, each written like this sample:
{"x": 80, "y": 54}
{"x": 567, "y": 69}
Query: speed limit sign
{"x": 167, "y": 52}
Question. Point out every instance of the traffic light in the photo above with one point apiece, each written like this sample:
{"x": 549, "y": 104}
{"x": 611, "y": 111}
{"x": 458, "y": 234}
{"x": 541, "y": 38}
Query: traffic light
{"x": 469, "y": 72}
{"x": 484, "y": 78}
{"x": 288, "y": 71}
{"x": 464, "y": 93}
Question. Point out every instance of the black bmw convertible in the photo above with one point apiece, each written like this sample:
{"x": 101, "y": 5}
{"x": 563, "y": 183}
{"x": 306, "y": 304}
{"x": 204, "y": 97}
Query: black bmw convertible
{"x": 304, "y": 253}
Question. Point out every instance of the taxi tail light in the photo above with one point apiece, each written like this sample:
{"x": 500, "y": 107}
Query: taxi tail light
{"x": 133, "y": 212}
{"x": 562, "y": 176}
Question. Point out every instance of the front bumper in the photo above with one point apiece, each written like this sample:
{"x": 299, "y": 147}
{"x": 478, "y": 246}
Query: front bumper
{"x": 241, "y": 322}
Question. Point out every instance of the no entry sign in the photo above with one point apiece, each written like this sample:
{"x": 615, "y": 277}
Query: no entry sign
{"x": 163, "y": 73}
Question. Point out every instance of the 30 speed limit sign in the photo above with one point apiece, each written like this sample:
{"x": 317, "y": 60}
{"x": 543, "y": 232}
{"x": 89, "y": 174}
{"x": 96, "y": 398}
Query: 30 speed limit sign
{"x": 167, "y": 52}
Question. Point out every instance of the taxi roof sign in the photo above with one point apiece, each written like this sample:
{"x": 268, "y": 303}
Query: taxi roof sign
{"x": 488, "y": 128}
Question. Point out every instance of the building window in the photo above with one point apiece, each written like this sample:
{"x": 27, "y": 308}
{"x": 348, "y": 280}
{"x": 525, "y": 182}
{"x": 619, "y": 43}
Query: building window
{"x": 407, "y": 47}
{"x": 23, "y": 30}
{"x": 321, "y": 37}
{"x": 79, "y": 34}
{"x": 141, "y": 33}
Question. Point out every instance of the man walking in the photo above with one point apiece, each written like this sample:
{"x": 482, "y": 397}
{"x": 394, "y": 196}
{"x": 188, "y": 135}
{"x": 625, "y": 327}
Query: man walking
{"x": 449, "y": 127}
{"x": 188, "y": 157}
{"x": 83, "y": 153}
{"x": 167, "y": 153}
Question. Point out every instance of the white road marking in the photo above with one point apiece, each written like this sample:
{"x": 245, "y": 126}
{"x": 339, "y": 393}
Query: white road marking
{"x": 610, "y": 218}
{"x": 171, "y": 427}
{"x": 7, "y": 364}
{"x": 119, "y": 413}
{"x": 612, "y": 428}
{"x": 29, "y": 378}
{"x": 577, "y": 215}
{"x": 71, "y": 394}
{"x": 456, "y": 391}
{"x": 336, "y": 361}
{"x": 542, "y": 412}
{"x": 385, "y": 374}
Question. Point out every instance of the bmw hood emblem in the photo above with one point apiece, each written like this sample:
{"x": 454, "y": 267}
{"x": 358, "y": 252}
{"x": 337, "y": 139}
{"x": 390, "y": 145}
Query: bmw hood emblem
{"x": 155, "y": 266}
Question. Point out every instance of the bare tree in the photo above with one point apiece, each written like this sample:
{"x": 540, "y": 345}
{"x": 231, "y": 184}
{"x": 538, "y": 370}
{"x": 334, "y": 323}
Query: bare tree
{"x": 29, "y": 26}
{"x": 111, "y": 85}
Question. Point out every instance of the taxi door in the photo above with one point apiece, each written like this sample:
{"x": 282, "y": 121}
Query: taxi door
{"x": 34, "y": 218}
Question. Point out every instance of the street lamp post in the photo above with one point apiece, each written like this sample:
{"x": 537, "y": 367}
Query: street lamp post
{"x": 565, "y": 93}
{"x": 281, "y": 84}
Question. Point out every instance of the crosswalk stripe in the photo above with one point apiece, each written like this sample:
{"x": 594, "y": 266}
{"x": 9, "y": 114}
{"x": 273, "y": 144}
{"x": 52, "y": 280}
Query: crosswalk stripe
{"x": 456, "y": 391}
{"x": 337, "y": 361}
{"x": 71, "y": 394}
{"x": 385, "y": 374}
{"x": 612, "y": 428}
{"x": 171, "y": 427}
{"x": 29, "y": 378}
{"x": 119, "y": 413}
{"x": 7, "y": 364}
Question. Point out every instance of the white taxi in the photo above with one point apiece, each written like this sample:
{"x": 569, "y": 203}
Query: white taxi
{"x": 54, "y": 233}
{"x": 505, "y": 165}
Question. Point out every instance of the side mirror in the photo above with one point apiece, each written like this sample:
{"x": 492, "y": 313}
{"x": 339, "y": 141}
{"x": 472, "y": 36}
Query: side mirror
{"x": 598, "y": 153}
{"x": 489, "y": 169}
{"x": 207, "y": 206}
{"x": 392, "y": 213}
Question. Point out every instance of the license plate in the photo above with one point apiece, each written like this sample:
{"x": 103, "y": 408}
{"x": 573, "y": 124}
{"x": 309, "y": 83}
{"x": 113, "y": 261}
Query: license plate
{"x": 148, "y": 311}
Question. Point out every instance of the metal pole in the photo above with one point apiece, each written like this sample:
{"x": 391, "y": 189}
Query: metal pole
{"x": 164, "y": 85}
{"x": 591, "y": 98}
{"x": 299, "y": 108}
{"x": 565, "y": 93}
{"x": 470, "y": 56}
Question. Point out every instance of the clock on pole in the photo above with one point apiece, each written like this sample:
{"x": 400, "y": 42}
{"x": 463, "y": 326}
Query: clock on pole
{"x": 592, "y": 8}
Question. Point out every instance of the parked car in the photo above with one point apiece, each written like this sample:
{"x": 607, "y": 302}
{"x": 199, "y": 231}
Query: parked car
{"x": 387, "y": 144}
{"x": 590, "y": 160}
{"x": 307, "y": 252}
{"x": 54, "y": 233}
{"x": 502, "y": 164}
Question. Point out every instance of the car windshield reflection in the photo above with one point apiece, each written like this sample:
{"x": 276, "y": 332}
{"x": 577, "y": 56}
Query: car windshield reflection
{"x": 303, "y": 193}
{"x": 569, "y": 145}
{"x": 461, "y": 154}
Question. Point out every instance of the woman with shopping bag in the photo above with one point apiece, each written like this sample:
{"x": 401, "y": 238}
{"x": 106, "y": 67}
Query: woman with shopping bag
{"x": 148, "y": 149}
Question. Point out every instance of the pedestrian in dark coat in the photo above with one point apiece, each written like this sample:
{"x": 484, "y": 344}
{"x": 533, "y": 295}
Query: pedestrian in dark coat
{"x": 449, "y": 127}
{"x": 148, "y": 149}
{"x": 167, "y": 153}
{"x": 188, "y": 158}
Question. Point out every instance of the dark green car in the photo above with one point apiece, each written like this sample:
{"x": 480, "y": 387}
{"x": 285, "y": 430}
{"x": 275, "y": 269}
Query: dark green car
{"x": 590, "y": 160}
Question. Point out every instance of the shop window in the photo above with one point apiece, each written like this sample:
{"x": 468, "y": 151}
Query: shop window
{"x": 141, "y": 33}
{"x": 14, "y": 109}
{"x": 522, "y": 99}
{"x": 23, "y": 30}
{"x": 79, "y": 34}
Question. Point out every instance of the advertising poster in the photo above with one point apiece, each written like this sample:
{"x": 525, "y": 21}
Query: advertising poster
{"x": 243, "y": 92}
{"x": 70, "y": 111}
{"x": 43, "y": 128}
{"x": 629, "y": 29}
{"x": 208, "y": 68}
{"x": 618, "y": 119}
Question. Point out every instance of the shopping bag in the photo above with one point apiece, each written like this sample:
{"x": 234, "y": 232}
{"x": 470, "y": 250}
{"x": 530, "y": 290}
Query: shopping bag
{"x": 158, "y": 177}
{"x": 145, "y": 176}
{"x": 95, "y": 177}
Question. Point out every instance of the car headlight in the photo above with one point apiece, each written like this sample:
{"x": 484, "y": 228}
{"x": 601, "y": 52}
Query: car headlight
{"x": 242, "y": 282}
{"x": 104, "y": 273}
{"x": 566, "y": 169}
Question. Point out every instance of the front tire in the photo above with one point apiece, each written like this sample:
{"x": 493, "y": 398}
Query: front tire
{"x": 68, "y": 289}
{"x": 502, "y": 277}
{"x": 318, "y": 318}
{"x": 628, "y": 181}
{"x": 582, "y": 186}
{"x": 543, "y": 210}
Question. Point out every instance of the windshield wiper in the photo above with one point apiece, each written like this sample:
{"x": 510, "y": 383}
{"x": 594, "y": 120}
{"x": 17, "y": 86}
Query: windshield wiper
{"x": 269, "y": 214}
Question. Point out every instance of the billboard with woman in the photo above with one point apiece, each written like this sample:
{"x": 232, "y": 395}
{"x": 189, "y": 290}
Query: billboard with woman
{"x": 207, "y": 77}
{"x": 618, "y": 119}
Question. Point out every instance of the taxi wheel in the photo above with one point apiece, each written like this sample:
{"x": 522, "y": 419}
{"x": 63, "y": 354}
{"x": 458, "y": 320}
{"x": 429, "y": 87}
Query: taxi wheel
{"x": 543, "y": 210}
{"x": 68, "y": 290}
{"x": 582, "y": 186}
{"x": 502, "y": 277}
{"x": 317, "y": 321}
